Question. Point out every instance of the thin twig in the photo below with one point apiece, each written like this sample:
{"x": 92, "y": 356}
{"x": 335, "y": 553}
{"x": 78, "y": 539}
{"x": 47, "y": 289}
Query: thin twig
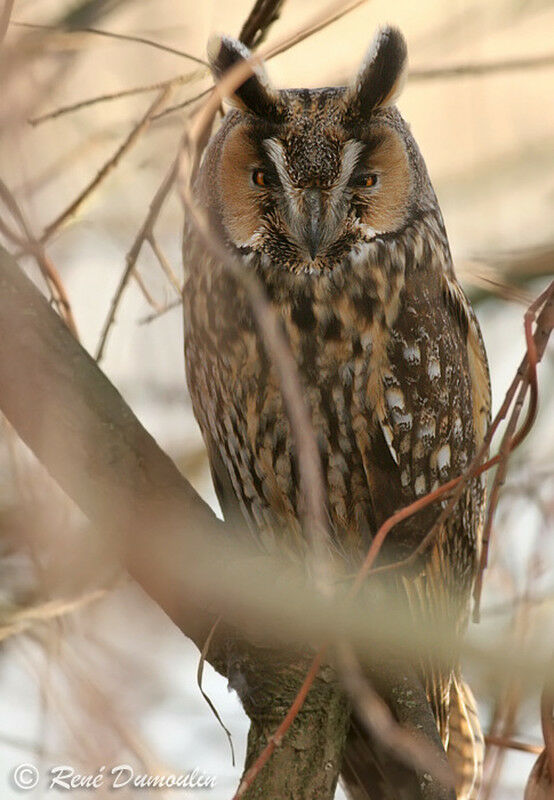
{"x": 108, "y": 167}
{"x": 527, "y": 374}
{"x": 512, "y": 744}
{"x": 164, "y": 263}
{"x": 178, "y": 80}
{"x": 207, "y": 698}
{"x": 547, "y": 719}
{"x": 23, "y": 619}
{"x": 259, "y": 21}
{"x": 184, "y": 104}
{"x": 28, "y": 243}
{"x": 151, "y": 317}
{"x": 131, "y": 258}
{"x": 5, "y": 18}
{"x": 473, "y": 69}
{"x": 332, "y": 14}
{"x": 111, "y": 35}
{"x": 145, "y": 292}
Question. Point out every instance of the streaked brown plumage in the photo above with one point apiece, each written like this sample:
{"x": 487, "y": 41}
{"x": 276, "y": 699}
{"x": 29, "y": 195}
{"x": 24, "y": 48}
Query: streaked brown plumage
{"x": 325, "y": 195}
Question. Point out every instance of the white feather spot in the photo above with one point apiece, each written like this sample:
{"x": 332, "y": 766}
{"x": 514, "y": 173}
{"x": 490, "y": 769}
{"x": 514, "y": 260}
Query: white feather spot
{"x": 395, "y": 399}
{"x": 443, "y": 457}
{"x": 427, "y": 430}
{"x": 457, "y": 429}
{"x": 412, "y": 353}
{"x": 433, "y": 368}
{"x": 405, "y": 478}
{"x": 420, "y": 485}
{"x": 404, "y": 421}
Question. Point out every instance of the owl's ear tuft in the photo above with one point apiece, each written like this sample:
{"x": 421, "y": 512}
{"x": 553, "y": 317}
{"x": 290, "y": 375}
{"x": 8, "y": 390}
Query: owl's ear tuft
{"x": 255, "y": 94}
{"x": 382, "y": 74}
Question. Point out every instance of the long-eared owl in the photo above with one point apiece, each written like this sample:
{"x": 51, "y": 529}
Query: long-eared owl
{"x": 324, "y": 195}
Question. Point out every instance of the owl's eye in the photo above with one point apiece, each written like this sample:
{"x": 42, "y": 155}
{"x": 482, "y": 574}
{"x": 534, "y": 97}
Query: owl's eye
{"x": 364, "y": 180}
{"x": 259, "y": 177}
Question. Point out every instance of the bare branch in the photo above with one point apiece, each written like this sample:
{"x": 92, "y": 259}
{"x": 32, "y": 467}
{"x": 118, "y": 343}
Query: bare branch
{"x": 29, "y": 244}
{"x": 26, "y": 618}
{"x": 178, "y": 80}
{"x": 111, "y": 35}
{"x": 145, "y": 232}
{"x": 108, "y": 167}
{"x": 475, "y": 69}
{"x": 5, "y": 18}
{"x": 184, "y": 104}
{"x": 151, "y": 317}
{"x": 512, "y": 744}
{"x": 164, "y": 263}
{"x": 260, "y": 19}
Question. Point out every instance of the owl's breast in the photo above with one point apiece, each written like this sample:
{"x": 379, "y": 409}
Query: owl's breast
{"x": 339, "y": 337}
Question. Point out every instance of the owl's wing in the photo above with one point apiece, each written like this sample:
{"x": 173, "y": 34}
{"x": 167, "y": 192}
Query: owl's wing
{"x": 430, "y": 418}
{"x": 434, "y": 406}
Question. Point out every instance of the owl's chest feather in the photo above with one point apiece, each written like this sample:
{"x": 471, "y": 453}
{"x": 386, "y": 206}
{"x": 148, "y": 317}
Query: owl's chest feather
{"x": 339, "y": 337}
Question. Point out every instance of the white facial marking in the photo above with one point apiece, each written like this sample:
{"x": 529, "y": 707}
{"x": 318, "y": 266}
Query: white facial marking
{"x": 275, "y": 151}
{"x": 350, "y": 153}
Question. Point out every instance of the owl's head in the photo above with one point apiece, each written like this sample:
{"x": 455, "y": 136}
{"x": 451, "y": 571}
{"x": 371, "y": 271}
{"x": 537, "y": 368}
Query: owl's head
{"x": 304, "y": 175}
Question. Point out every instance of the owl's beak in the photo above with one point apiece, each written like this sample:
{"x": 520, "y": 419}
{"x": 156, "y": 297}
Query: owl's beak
{"x": 313, "y": 220}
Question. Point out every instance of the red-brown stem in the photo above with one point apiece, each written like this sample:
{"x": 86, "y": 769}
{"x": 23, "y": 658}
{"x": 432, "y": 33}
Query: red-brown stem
{"x": 547, "y": 722}
{"x": 512, "y": 744}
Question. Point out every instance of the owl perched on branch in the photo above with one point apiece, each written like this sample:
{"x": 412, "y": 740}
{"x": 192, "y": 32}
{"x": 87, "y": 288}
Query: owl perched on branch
{"x": 323, "y": 193}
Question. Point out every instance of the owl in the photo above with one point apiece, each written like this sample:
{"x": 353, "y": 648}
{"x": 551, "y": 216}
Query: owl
{"x": 324, "y": 195}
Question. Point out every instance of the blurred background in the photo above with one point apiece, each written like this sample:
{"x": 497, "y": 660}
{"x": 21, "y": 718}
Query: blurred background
{"x": 91, "y": 677}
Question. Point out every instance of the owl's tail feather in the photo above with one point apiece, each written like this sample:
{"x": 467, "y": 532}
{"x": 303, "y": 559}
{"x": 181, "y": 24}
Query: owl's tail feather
{"x": 466, "y": 746}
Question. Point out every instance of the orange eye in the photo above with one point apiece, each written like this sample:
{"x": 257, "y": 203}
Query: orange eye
{"x": 364, "y": 180}
{"x": 258, "y": 177}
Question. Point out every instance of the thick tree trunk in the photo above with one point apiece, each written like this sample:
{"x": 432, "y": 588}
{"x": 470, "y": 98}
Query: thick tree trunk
{"x": 307, "y": 763}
